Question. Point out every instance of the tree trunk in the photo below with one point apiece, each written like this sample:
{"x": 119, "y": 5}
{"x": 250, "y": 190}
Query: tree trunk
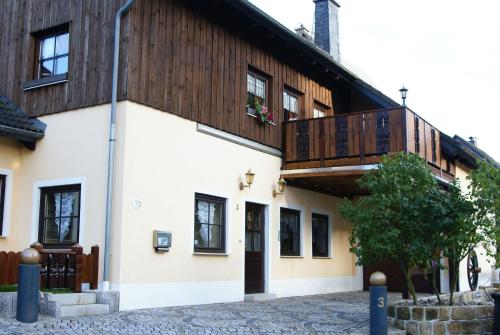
{"x": 433, "y": 283}
{"x": 407, "y": 273}
{"x": 454, "y": 279}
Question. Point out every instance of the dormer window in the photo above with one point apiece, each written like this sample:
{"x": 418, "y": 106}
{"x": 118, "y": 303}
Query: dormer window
{"x": 53, "y": 54}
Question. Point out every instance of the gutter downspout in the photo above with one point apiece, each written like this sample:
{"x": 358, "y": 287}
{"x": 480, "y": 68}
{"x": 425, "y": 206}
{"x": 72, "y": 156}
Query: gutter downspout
{"x": 112, "y": 138}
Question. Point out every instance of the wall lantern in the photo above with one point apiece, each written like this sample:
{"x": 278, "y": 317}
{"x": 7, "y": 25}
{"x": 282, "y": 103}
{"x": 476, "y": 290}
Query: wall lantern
{"x": 403, "y": 92}
{"x": 249, "y": 179}
{"x": 281, "y": 187}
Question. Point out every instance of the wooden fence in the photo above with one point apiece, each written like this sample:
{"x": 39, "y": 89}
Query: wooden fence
{"x": 60, "y": 268}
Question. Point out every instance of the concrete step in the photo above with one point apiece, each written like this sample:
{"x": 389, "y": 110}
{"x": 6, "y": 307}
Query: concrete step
{"x": 72, "y": 298}
{"x": 395, "y": 331}
{"x": 83, "y": 310}
{"x": 260, "y": 297}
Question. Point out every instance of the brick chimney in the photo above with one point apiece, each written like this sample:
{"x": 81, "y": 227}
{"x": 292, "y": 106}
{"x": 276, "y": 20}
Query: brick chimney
{"x": 326, "y": 27}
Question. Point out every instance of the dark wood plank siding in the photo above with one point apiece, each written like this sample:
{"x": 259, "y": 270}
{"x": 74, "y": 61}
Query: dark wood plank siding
{"x": 196, "y": 69}
{"x": 91, "y": 26}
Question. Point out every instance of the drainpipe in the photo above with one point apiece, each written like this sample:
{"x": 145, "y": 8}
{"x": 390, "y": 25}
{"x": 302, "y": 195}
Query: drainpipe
{"x": 112, "y": 138}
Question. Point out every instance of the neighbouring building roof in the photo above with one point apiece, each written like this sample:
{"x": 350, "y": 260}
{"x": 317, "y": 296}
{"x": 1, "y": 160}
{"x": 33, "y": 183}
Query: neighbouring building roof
{"x": 15, "y": 123}
{"x": 474, "y": 150}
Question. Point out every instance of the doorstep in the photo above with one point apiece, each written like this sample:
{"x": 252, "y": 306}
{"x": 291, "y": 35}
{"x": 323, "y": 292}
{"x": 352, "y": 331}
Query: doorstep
{"x": 260, "y": 297}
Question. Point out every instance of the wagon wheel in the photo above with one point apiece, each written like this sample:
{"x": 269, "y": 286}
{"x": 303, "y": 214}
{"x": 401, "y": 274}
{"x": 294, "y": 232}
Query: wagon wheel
{"x": 473, "y": 270}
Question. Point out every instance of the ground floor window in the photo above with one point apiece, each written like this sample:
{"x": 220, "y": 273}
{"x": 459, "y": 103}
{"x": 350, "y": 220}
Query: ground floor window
{"x": 59, "y": 223}
{"x": 209, "y": 223}
{"x": 319, "y": 235}
{"x": 290, "y": 232}
{"x": 3, "y": 180}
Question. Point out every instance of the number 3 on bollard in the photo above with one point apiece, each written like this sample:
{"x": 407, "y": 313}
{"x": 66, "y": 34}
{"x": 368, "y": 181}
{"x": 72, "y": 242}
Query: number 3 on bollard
{"x": 381, "y": 303}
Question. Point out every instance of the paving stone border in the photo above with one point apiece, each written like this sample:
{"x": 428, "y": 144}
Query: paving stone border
{"x": 475, "y": 316}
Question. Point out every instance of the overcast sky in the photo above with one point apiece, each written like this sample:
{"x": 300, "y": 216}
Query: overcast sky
{"x": 446, "y": 52}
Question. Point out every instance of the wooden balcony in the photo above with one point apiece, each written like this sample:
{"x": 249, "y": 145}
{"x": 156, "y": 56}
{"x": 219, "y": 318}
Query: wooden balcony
{"x": 328, "y": 154}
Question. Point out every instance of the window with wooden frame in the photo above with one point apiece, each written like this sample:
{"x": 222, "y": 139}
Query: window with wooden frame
{"x": 290, "y": 105}
{"x": 52, "y": 56}
{"x": 320, "y": 235}
{"x": 3, "y": 181}
{"x": 209, "y": 223}
{"x": 59, "y": 219}
{"x": 289, "y": 232}
{"x": 257, "y": 94}
{"x": 319, "y": 110}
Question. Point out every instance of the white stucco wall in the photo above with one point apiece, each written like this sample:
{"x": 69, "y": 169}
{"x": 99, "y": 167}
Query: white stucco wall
{"x": 161, "y": 162}
{"x": 166, "y": 161}
{"x": 74, "y": 150}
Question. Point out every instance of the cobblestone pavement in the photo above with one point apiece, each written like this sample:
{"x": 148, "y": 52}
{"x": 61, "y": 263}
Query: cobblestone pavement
{"x": 339, "y": 313}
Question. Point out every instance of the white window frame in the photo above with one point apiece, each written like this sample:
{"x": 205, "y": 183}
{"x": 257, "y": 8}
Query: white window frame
{"x": 38, "y": 185}
{"x": 9, "y": 182}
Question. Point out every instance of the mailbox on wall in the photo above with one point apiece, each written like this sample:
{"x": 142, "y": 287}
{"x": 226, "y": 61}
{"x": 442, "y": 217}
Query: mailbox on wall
{"x": 162, "y": 240}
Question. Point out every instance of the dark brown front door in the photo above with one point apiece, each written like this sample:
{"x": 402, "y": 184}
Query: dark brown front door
{"x": 254, "y": 248}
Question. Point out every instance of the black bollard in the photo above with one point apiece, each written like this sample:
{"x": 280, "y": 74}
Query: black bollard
{"x": 496, "y": 320}
{"x": 378, "y": 304}
{"x": 28, "y": 287}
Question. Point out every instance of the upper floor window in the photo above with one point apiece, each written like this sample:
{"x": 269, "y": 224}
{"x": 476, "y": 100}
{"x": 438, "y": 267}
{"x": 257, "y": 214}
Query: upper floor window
{"x": 256, "y": 91}
{"x": 320, "y": 235}
{"x": 3, "y": 180}
{"x": 53, "y": 54}
{"x": 209, "y": 223}
{"x": 290, "y": 232}
{"x": 319, "y": 110}
{"x": 290, "y": 105}
{"x": 59, "y": 215}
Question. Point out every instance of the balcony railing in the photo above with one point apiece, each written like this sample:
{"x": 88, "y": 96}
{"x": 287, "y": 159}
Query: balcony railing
{"x": 360, "y": 138}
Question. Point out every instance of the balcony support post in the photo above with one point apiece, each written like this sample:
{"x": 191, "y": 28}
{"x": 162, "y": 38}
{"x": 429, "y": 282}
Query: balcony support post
{"x": 322, "y": 142}
{"x": 362, "y": 135}
{"x": 405, "y": 131}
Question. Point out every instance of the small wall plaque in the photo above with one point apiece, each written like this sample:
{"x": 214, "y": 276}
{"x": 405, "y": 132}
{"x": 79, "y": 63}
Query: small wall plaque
{"x": 162, "y": 240}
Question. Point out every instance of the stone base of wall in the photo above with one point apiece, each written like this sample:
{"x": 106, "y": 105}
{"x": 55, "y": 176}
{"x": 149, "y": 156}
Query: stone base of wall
{"x": 472, "y": 317}
{"x": 430, "y": 320}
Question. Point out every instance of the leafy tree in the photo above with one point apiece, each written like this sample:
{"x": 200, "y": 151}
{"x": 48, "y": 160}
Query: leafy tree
{"x": 484, "y": 190}
{"x": 471, "y": 219}
{"x": 459, "y": 232}
{"x": 410, "y": 219}
{"x": 397, "y": 221}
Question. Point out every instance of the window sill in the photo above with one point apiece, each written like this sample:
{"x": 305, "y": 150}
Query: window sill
{"x": 291, "y": 256}
{"x": 255, "y": 116}
{"x": 47, "y": 81}
{"x": 322, "y": 257}
{"x": 210, "y": 254}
